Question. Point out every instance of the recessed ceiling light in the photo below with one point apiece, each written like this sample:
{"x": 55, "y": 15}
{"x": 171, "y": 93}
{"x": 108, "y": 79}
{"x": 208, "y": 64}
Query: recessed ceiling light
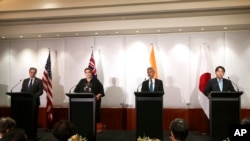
{"x": 202, "y": 28}
{"x": 137, "y": 31}
{"x": 180, "y": 29}
{"x": 21, "y": 36}
{"x": 116, "y": 32}
{"x": 76, "y": 34}
{"x": 158, "y": 30}
{"x": 225, "y": 28}
{"x": 96, "y": 33}
{"x": 3, "y": 37}
{"x": 39, "y": 36}
{"x": 57, "y": 35}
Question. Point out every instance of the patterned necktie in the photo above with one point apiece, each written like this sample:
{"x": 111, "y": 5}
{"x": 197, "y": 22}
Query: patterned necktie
{"x": 151, "y": 86}
{"x": 30, "y": 85}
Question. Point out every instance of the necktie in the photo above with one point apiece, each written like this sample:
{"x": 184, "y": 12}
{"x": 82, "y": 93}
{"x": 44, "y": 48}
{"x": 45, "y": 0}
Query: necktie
{"x": 220, "y": 84}
{"x": 151, "y": 86}
{"x": 30, "y": 85}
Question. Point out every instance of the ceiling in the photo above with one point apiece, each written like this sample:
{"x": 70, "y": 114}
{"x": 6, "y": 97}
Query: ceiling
{"x": 27, "y": 19}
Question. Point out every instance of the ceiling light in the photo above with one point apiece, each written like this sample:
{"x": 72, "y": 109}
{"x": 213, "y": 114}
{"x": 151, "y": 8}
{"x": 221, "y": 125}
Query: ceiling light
{"x": 116, "y": 32}
{"x": 202, "y": 28}
{"x": 76, "y": 34}
{"x": 137, "y": 31}
{"x": 96, "y": 33}
{"x": 3, "y": 37}
{"x": 21, "y": 36}
{"x": 158, "y": 30}
{"x": 225, "y": 28}
{"x": 57, "y": 35}
{"x": 180, "y": 29}
{"x": 39, "y": 36}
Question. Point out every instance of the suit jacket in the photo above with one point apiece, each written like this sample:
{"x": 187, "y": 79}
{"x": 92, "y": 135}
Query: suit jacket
{"x": 213, "y": 85}
{"x": 96, "y": 86}
{"x": 158, "y": 86}
{"x": 36, "y": 88}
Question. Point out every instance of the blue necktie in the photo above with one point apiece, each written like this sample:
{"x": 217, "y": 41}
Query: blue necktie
{"x": 30, "y": 85}
{"x": 220, "y": 84}
{"x": 151, "y": 86}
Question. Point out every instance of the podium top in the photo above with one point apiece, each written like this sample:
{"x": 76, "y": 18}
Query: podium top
{"x": 218, "y": 94}
{"x": 19, "y": 94}
{"x": 80, "y": 95}
{"x": 149, "y": 94}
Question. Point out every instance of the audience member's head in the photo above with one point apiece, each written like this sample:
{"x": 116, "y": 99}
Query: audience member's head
{"x": 6, "y": 124}
{"x": 63, "y": 130}
{"x": 17, "y": 134}
{"x": 178, "y": 130}
{"x": 245, "y": 121}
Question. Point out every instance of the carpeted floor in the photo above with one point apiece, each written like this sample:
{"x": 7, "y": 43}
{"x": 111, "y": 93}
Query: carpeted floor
{"x": 120, "y": 135}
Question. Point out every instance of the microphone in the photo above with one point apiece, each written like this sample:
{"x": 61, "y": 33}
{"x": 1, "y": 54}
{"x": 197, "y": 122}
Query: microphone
{"x": 140, "y": 85}
{"x": 15, "y": 85}
{"x": 71, "y": 88}
{"x": 237, "y": 87}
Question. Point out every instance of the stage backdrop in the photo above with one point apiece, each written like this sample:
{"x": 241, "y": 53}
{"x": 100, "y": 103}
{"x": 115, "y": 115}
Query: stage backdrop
{"x": 122, "y": 62}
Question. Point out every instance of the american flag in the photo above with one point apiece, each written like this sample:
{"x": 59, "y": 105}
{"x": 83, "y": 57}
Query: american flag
{"x": 47, "y": 86}
{"x": 92, "y": 65}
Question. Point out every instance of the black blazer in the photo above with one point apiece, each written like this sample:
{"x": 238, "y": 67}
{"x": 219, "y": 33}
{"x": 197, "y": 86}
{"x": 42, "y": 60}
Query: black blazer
{"x": 36, "y": 89}
{"x": 158, "y": 86}
{"x": 213, "y": 85}
{"x": 96, "y": 86}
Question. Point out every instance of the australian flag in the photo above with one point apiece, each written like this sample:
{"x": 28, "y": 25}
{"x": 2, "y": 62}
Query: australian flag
{"x": 92, "y": 65}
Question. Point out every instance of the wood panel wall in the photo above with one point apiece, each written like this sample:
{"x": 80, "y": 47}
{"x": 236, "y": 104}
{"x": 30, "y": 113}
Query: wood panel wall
{"x": 124, "y": 118}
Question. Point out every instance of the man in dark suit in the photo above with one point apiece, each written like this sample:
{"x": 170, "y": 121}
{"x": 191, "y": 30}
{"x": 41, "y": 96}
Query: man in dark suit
{"x": 219, "y": 83}
{"x": 33, "y": 85}
{"x": 152, "y": 84}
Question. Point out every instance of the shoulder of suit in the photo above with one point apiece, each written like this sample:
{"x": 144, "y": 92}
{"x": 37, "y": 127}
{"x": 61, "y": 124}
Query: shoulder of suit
{"x": 158, "y": 80}
{"x": 38, "y": 79}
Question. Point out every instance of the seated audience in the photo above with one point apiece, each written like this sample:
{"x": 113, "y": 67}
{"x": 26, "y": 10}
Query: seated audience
{"x": 63, "y": 130}
{"x": 178, "y": 130}
{"x": 6, "y": 125}
{"x": 245, "y": 121}
{"x": 16, "y": 134}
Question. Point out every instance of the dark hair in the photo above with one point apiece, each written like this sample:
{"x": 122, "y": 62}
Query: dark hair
{"x": 32, "y": 68}
{"x": 63, "y": 130}
{"x": 220, "y": 67}
{"x": 245, "y": 121}
{"x": 17, "y": 134}
{"x": 150, "y": 68}
{"x": 179, "y": 129}
{"x": 90, "y": 69}
{"x": 6, "y": 123}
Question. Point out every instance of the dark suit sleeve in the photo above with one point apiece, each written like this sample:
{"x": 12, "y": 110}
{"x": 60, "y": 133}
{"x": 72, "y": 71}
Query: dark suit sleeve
{"x": 161, "y": 86}
{"x": 144, "y": 86}
{"x": 230, "y": 85}
{"x": 100, "y": 87}
{"x": 208, "y": 88}
{"x": 40, "y": 88}
{"x": 23, "y": 86}
{"x": 78, "y": 87}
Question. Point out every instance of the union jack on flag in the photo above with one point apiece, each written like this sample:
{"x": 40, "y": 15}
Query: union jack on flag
{"x": 92, "y": 65}
{"x": 47, "y": 87}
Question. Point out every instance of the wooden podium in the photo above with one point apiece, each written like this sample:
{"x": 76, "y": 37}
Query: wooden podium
{"x": 149, "y": 114}
{"x": 82, "y": 114}
{"x": 23, "y": 111}
{"x": 224, "y": 110}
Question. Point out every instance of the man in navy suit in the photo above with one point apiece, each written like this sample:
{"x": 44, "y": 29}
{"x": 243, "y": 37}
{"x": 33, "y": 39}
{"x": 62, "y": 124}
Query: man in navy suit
{"x": 34, "y": 86}
{"x": 152, "y": 84}
{"x": 219, "y": 83}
